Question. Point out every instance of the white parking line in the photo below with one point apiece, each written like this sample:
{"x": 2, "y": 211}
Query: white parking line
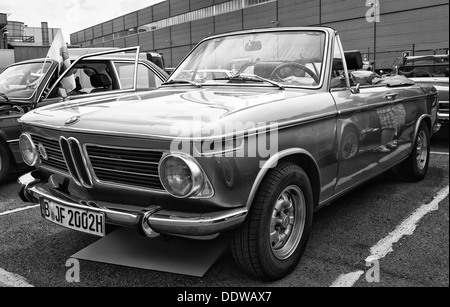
{"x": 12, "y": 280}
{"x": 440, "y": 153}
{"x": 384, "y": 246}
{"x": 18, "y": 210}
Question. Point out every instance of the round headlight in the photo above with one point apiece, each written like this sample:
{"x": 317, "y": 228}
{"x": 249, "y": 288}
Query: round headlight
{"x": 30, "y": 154}
{"x": 180, "y": 176}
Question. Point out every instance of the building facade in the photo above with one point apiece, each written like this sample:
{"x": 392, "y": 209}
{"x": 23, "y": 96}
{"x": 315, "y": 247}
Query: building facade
{"x": 381, "y": 29}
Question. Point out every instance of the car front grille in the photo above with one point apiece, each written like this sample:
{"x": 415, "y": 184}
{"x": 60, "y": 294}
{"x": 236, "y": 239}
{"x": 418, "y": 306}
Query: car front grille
{"x": 131, "y": 167}
{"x": 55, "y": 159}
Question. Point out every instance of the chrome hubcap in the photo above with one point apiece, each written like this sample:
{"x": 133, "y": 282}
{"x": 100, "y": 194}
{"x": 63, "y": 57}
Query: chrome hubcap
{"x": 422, "y": 150}
{"x": 288, "y": 222}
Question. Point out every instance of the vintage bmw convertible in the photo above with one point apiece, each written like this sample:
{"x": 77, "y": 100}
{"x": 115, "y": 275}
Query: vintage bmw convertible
{"x": 252, "y": 154}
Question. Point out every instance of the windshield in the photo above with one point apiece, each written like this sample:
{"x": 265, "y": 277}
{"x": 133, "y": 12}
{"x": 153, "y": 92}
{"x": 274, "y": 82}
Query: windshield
{"x": 21, "y": 81}
{"x": 291, "y": 58}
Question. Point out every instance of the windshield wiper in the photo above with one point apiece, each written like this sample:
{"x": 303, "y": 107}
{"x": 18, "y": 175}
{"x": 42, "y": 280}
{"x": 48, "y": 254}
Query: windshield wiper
{"x": 251, "y": 78}
{"x": 4, "y": 96}
{"x": 171, "y": 82}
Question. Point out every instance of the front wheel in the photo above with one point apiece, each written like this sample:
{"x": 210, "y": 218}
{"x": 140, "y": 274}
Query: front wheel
{"x": 416, "y": 166}
{"x": 271, "y": 241}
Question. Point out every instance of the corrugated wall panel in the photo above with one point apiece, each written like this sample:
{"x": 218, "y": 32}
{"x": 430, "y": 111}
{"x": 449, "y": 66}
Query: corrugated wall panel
{"x": 161, "y": 11}
{"x": 80, "y": 36}
{"x": 260, "y": 16}
{"x": 413, "y": 27}
{"x": 146, "y": 41}
{"x": 131, "y": 20}
{"x": 199, "y": 4}
{"x": 162, "y": 38}
{"x": 401, "y": 5}
{"x": 178, "y": 7}
{"x": 178, "y": 54}
{"x": 201, "y": 29}
{"x": 355, "y": 34}
{"x": 333, "y": 10}
{"x": 119, "y": 42}
{"x": 293, "y": 13}
{"x": 108, "y": 44}
{"x": 118, "y": 24}
{"x": 88, "y": 34}
{"x": 132, "y": 40}
{"x": 167, "y": 54}
{"x": 181, "y": 35}
{"x": 107, "y": 27}
{"x": 145, "y": 16}
{"x": 228, "y": 22}
{"x": 98, "y": 31}
{"x": 74, "y": 38}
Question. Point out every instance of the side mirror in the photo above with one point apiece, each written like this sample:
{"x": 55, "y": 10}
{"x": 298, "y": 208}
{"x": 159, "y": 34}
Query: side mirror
{"x": 356, "y": 89}
{"x": 63, "y": 93}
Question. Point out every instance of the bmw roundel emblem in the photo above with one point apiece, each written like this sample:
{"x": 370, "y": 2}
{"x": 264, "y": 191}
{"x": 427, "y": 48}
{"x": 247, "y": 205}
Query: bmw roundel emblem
{"x": 42, "y": 151}
{"x": 72, "y": 120}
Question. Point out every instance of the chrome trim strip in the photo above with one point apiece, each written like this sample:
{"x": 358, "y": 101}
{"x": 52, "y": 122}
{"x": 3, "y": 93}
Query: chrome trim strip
{"x": 12, "y": 141}
{"x": 260, "y": 129}
{"x": 130, "y": 161}
{"x": 378, "y": 105}
{"x": 123, "y": 172}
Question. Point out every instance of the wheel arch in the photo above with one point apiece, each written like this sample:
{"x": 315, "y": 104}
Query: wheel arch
{"x": 299, "y": 156}
{"x": 425, "y": 118}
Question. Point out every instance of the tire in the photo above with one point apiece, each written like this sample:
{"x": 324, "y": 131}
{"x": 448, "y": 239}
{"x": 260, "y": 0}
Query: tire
{"x": 283, "y": 206}
{"x": 349, "y": 144}
{"x": 416, "y": 166}
{"x": 4, "y": 162}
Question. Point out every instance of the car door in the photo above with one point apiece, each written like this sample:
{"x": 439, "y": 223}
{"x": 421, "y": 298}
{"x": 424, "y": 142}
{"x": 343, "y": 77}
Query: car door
{"x": 375, "y": 126}
{"x": 95, "y": 75}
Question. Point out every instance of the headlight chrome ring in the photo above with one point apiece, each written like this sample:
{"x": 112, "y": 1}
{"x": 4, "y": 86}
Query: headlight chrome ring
{"x": 181, "y": 175}
{"x": 28, "y": 150}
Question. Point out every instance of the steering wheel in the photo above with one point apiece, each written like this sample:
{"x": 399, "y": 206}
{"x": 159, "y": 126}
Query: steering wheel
{"x": 276, "y": 72}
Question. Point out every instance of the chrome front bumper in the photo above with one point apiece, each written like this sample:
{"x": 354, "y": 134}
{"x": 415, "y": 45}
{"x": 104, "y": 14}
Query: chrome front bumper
{"x": 152, "y": 220}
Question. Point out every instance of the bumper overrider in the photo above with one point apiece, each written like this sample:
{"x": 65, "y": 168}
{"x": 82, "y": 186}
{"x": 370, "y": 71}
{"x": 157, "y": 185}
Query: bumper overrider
{"x": 150, "y": 221}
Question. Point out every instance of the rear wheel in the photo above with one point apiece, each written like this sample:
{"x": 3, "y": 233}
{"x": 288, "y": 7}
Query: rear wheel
{"x": 271, "y": 241}
{"x": 416, "y": 166}
{"x": 4, "y": 162}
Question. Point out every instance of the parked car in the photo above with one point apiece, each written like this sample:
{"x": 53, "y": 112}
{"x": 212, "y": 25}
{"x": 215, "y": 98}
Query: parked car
{"x": 434, "y": 70}
{"x": 251, "y": 155}
{"x": 27, "y": 85}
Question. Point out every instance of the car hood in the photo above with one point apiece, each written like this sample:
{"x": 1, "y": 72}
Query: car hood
{"x": 159, "y": 113}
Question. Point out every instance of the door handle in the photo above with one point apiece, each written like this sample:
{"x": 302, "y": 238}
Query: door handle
{"x": 391, "y": 96}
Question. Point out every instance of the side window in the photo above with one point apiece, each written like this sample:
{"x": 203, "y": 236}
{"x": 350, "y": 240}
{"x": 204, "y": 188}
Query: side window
{"x": 338, "y": 79}
{"x": 147, "y": 79}
{"x": 90, "y": 77}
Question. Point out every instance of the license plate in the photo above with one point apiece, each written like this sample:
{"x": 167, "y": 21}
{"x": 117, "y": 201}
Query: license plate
{"x": 81, "y": 220}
